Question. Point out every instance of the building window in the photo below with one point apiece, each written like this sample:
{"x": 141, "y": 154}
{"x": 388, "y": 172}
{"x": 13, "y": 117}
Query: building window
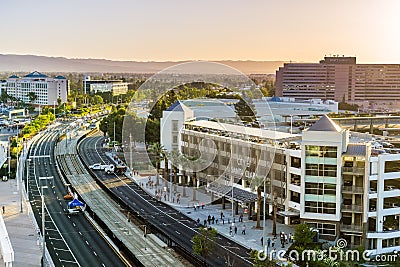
{"x": 320, "y": 207}
{"x": 324, "y": 170}
{"x": 324, "y": 228}
{"x": 320, "y": 189}
{"x": 321, "y": 151}
{"x": 295, "y": 162}
{"x": 174, "y": 139}
{"x": 392, "y": 166}
{"x": 175, "y": 125}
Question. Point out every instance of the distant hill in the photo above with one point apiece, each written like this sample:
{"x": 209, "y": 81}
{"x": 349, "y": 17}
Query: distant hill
{"x": 26, "y": 63}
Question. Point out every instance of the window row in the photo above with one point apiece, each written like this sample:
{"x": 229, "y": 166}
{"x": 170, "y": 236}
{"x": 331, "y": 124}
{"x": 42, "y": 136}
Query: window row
{"x": 320, "y": 207}
{"x": 325, "y": 170}
{"x": 321, "y": 151}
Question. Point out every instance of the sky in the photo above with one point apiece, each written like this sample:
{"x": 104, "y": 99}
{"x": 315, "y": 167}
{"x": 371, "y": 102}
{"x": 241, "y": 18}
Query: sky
{"x": 173, "y": 30}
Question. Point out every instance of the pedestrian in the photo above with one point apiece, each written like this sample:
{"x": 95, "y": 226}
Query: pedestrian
{"x": 235, "y": 230}
{"x": 198, "y": 220}
{"x": 205, "y": 222}
{"x": 213, "y": 219}
{"x": 202, "y": 205}
{"x": 222, "y": 215}
{"x": 230, "y": 230}
{"x": 262, "y": 241}
{"x": 244, "y": 229}
{"x": 194, "y": 206}
{"x": 268, "y": 242}
{"x": 216, "y": 221}
{"x": 241, "y": 218}
{"x": 223, "y": 221}
{"x": 4, "y": 209}
{"x": 273, "y": 242}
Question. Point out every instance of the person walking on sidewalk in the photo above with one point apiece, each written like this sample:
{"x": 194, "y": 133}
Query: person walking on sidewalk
{"x": 235, "y": 230}
{"x": 244, "y": 229}
{"x": 4, "y": 209}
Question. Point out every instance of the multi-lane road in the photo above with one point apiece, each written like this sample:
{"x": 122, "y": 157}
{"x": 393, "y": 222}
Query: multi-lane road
{"x": 174, "y": 227}
{"x": 71, "y": 240}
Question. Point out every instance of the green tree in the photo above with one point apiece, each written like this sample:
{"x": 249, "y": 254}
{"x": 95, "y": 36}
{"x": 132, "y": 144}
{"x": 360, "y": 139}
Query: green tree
{"x": 256, "y": 183}
{"x": 303, "y": 236}
{"x": 204, "y": 241}
{"x": 97, "y": 100}
{"x": 260, "y": 261}
{"x": 32, "y": 97}
{"x": 158, "y": 152}
{"x": 245, "y": 110}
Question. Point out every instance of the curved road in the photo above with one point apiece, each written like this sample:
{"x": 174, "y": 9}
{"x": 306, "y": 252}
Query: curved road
{"x": 173, "y": 225}
{"x": 70, "y": 239}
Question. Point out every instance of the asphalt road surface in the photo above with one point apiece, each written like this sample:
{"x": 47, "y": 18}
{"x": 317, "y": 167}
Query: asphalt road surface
{"x": 70, "y": 239}
{"x": 175, "y": 226}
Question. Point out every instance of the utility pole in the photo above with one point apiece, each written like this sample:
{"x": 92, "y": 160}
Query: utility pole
{"x": 131, "y": 153}
{"x": 27, "y": 178}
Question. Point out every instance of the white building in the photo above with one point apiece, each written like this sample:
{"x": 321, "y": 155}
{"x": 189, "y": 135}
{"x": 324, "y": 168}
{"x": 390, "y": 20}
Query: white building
{"x": 335, "y": 180}
{"x": 47, "y": 90}
{"x": 172, "y": 122}
{"x": 117, "y": 87}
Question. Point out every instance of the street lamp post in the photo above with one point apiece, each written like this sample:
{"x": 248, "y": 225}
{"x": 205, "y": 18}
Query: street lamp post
{"x": 170, "y": 186}
{"x": 264, "y": 223}
{"x": 43, "y": 227}
{"x": 131, "y": 153}
{"x": 145, "y": 237}
{"x": 27, "y": 178}
{"x": 43, "y": 219}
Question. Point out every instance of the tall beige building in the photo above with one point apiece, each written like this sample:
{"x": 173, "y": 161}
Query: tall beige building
{"x": 341, "y": 78}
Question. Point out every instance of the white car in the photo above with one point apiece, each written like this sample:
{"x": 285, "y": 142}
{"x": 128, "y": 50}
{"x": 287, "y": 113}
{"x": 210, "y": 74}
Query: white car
{"x": 97, "y": 166}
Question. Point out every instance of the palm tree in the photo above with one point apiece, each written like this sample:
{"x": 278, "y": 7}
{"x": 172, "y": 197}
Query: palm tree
{"x": 32, "y": 97}
{"x": 175, "y": 165}
{"x": 275, "y": 212}
{"x": 182, "y": 162}
{"x": 257, "y": 183}
{"x": 158, "y": 151}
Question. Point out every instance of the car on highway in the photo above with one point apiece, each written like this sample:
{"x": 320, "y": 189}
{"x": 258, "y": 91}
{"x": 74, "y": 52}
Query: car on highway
{"x": 97, "y": 167}
{"x": 68, "y": 196}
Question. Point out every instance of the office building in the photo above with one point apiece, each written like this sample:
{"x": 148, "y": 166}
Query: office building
{"x": 117, "y": 87}
{"x": 330, "y": 178}
{"x": 341, "y": 78}
{"x": 46, "y": 89}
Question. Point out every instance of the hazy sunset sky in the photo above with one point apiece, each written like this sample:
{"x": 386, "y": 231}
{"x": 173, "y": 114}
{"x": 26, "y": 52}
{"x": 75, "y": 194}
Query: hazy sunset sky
{"x": 298, "y": 30}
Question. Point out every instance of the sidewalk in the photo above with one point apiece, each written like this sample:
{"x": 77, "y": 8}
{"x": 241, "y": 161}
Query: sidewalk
{"x": 19, "y": 226}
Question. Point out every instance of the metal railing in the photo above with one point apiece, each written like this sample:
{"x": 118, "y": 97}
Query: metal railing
{"x": 352, "y": 189}
{"x": 351, "y": 228}
{"x": 352, "y": 208}
{"x": 357, "y": 170}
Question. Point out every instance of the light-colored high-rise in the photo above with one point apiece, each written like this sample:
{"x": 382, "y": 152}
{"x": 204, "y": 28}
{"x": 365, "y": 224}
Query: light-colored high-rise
{"x": 341, "y": 78}
{"x": 47, "y": 90}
